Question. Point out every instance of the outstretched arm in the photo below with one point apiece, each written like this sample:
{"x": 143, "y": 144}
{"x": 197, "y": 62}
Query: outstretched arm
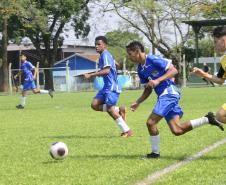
{"x": 199, "y": 72}
{"x": 101, "y": 72}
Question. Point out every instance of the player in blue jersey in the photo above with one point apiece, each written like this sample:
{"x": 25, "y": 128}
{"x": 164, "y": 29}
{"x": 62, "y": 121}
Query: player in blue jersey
{"x": 107, "y": 97}
{"x": 29, "y": 83}
{"x": 219, "y": 35}
{"x": 156, "y": 73}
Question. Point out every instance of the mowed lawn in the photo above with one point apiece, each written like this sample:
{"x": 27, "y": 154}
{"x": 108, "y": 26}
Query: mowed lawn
{"x": 97, "y": 154}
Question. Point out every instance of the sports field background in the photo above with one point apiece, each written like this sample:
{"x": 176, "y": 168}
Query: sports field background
{"x": 97, "y": 155}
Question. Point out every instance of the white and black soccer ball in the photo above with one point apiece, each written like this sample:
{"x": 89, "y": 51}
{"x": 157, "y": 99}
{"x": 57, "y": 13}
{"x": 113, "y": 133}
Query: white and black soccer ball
{"x": 58, "y": 150}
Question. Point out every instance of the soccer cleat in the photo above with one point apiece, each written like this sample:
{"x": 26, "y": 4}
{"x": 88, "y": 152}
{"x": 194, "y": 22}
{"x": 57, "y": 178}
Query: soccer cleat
{"x": 122, "y": 112}
{"x": 152, "y": 155}
{"x": 213, "y": 121}
{"x": 129, "y": 133}
{"x": 20, "y": 106}
{"x": 51, "y": 93}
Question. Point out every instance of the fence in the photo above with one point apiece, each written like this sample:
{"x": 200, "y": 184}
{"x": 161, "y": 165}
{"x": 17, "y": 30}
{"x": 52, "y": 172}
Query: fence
{"x": 66, "y": 80}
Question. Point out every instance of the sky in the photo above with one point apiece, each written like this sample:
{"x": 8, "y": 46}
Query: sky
{"x": 100, "y": 24}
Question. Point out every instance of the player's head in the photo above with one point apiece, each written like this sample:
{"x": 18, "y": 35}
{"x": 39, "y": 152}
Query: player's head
{"x": 219, "y": 35}
{"x": 23, "y": 57}
{"x": 100, "y": 43}
{"x": 134, "y": 50}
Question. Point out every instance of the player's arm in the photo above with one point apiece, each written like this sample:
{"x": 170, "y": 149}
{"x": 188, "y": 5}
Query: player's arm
{"x": 101, "y": 72}
{"x": 18, "y": 74}
{"x": 171, "y": 72}
{"x": 146, "y": 93}
{"x": 215, "y": 79}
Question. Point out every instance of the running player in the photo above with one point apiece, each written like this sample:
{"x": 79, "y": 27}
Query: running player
{"x": 107, "y": 97}
{"x": 157, "y": 73}
{"x": 29, "y": 84}
{"x": 219, "y": 35}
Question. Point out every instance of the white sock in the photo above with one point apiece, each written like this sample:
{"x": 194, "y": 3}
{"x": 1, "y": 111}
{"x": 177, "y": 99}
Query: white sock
{"x": 155, "y": 143}
{"x": 117, "y": 109}
{"x": 122, "y": 125}
{"x": 44, "y": 91}
{"x": 105, "y": 108}
{"x": 199, "y": 122}
{"x": 23, "y": 102}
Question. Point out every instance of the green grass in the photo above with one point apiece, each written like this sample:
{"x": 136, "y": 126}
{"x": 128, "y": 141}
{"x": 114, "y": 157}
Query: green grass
{"x": 97, "y": 155}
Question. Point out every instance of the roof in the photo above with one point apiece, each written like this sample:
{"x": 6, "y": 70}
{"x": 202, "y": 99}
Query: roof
{"x": 212, "y": 22}
{"x": 74, "y": 55}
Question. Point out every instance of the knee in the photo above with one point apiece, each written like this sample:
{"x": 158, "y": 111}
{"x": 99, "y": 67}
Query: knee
{"x": 177, "y": 131}
{"x": 94, "y": 106}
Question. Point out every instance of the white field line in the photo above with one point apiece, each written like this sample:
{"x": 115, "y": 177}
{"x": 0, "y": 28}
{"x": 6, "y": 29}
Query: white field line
{"x": 158, "y": 174}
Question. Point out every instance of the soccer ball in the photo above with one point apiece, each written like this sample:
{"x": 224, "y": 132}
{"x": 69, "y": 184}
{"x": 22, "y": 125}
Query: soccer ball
{"x": 58, "y": 150}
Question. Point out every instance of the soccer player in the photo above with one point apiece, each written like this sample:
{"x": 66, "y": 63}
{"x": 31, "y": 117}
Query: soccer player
{"x": 157, "y": 73}
{"x": 29, "y": 84}
{"x": 219, "y": 35}
{"x": 107, "y": 97}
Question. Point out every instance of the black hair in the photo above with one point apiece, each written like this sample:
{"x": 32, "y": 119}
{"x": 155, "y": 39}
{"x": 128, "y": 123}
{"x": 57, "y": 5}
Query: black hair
{"x": 134, "y": 45}
{"x": 103, "y": 38}
{"x": 219, "y": 31}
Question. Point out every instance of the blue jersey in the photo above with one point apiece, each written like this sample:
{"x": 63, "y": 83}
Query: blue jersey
{"x": 110, "y": 80}
{"x": 155, "y": 67}
{"x": 27, "y": 68}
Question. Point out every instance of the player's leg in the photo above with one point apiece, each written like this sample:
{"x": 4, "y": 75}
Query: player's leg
{"x": 41, "y": 91}
{"x": 111, "y": 99}
{"x": 221, "y": 114}
{"x": 178, "y": 128}
{"x": 23, "y": 100}
{"x": 98, "y": 105}
{"x": 151, "y": 123}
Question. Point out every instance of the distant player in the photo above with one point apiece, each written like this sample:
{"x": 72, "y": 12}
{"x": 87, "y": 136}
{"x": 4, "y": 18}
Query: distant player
{"x": 156, "y": 73}
{"x": 107, "y": 97}
{"x": 29, "y": 83}
{"x": 219, "y": 35}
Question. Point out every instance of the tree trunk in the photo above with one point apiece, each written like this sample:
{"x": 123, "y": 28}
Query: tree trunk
{"x": 48, "y": 79}
{"x": 4, "y": 82}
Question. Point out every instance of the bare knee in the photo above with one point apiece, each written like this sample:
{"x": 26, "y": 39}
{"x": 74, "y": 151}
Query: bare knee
{"x": 94, "y": 106}
{"x": 177, "y": 131}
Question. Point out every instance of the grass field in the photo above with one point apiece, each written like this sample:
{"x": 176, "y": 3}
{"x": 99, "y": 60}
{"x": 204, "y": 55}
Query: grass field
{"x": 97, "y": 155}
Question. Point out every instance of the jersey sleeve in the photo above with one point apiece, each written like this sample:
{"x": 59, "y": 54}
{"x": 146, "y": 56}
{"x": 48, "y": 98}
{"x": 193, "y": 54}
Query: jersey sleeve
{"x": 161, "y": 63}
{"x": 30, "y": 65}
{"x": 106, "y": 60}
{"x": 221, "y": 72}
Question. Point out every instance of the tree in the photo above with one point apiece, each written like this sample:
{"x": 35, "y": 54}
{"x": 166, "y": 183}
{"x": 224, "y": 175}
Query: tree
{"x": 117, "y": 41}
{"x": 160, "y": 22}
{"x": 8, "y": 9}
{"x": 44, "y": 24}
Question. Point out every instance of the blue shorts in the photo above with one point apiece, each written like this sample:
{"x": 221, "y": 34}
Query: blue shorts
{"x": 167, "y": 107}
{"x": 28, "y": 85}
{"x": 108, "y": 97}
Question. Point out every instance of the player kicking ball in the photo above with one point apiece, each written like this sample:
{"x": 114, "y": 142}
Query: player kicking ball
{"x": 156, "y": 73}
{"x": 29, "y": 83}
{"x": 107, "y": 97}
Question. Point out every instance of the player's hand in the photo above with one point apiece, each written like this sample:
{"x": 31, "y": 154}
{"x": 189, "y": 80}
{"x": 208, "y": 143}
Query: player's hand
{"x": 87, "y": 76}
{"x": 153, "y": 83}
{"x": 198, "y": 72}
{"x": 15, "y": 77}
{"x": 134, "y": 106}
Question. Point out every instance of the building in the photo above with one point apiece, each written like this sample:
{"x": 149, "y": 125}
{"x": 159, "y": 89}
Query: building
{"x": 67, "y": 73}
